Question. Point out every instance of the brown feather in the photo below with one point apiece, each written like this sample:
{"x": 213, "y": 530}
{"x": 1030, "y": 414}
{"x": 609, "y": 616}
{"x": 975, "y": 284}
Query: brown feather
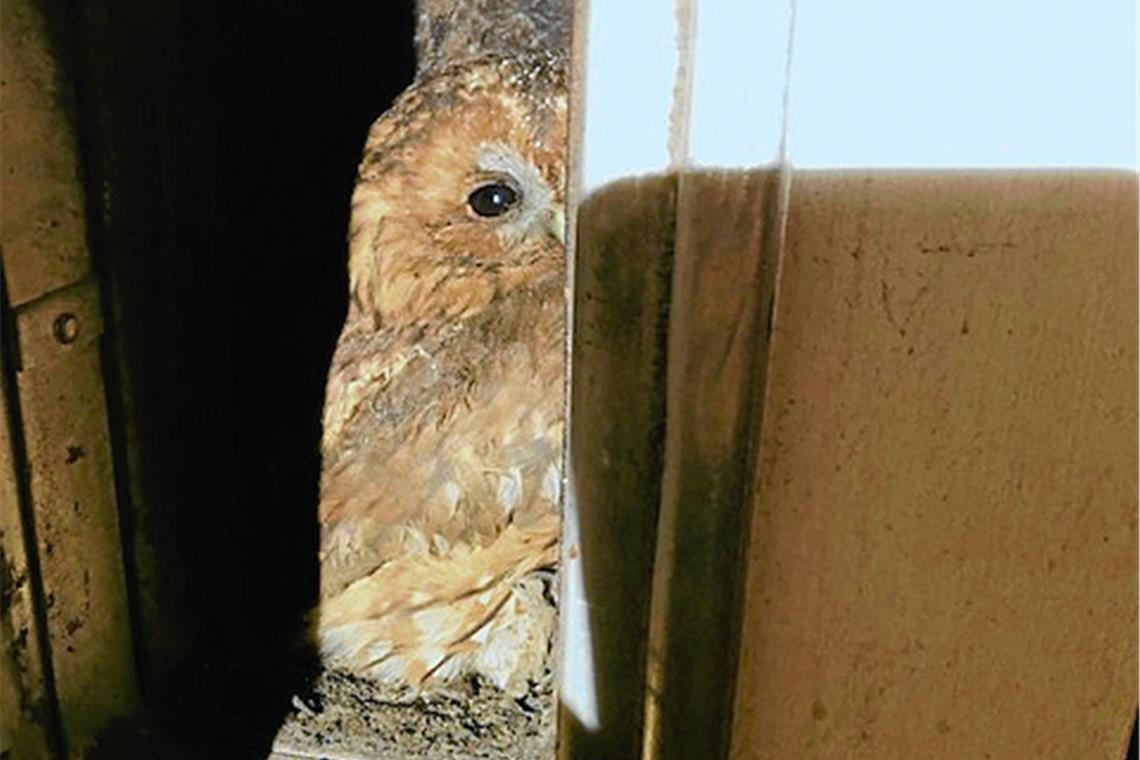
{"x": 443, "y": 411}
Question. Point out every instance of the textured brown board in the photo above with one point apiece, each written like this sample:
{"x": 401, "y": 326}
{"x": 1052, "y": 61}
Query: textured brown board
{"x": 451, "y": 31}
{"x": 943, "y": 558}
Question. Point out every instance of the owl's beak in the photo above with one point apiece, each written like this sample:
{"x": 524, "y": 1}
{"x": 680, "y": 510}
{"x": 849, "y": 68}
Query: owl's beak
{"x": 556, "y": 224}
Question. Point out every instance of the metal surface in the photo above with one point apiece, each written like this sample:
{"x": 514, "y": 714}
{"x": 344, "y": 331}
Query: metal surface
{"x": 71, "y": 518}
{"x": 42, "y": 226}
{"x": 28, "y": 719}
{"x": 74, "y": 514}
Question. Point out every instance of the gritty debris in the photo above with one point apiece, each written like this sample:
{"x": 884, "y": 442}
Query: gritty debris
{"x": 346, "y": 716}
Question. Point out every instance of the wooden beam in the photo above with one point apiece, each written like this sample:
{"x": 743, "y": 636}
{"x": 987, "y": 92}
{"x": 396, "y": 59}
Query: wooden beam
{"x": 449, "y": 32}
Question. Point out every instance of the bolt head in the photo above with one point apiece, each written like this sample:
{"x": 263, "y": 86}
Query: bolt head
{"x": 65, "y": 328}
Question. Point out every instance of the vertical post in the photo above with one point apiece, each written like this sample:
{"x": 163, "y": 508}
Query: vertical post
{"x": 621, "y": 246}
{"x": 624, "y": 261}
{"x": 673, "y": 301}
{"x": 29, "y": 722}
{"x": 72, "y": 515}
{"x": 719, "y": 317}
{"x": 449, "y": 32}
{"x": 730, "y": 241}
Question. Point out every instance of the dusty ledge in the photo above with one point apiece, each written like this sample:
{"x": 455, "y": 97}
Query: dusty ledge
{"x": 349, "y": 717}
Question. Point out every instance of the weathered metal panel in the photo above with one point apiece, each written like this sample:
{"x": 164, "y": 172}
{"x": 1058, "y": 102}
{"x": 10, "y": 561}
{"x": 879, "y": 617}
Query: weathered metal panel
{"x": 42, "y": 225}
{"x": 74, "y": 513}
{"x": 73, "y": 517}
{"x": 27, "y": 711}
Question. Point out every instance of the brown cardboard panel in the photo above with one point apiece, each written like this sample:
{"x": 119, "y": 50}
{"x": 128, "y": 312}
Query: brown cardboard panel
{"x": 944, "y": 549}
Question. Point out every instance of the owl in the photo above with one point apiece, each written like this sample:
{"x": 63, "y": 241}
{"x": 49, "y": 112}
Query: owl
{"x": 443, "y": 417}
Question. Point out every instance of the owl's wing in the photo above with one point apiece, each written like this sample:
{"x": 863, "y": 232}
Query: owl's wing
{"x": 436, "y": 443}
{"x": 418, "y": 617}
{"x": 440, "y": 496}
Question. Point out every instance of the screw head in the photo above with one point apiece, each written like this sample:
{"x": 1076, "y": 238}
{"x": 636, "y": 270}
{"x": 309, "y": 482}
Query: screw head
{"x": 65, "y": 328}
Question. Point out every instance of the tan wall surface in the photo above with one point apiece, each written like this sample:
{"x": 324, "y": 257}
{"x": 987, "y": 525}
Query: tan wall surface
{"x": 944, "y": 548}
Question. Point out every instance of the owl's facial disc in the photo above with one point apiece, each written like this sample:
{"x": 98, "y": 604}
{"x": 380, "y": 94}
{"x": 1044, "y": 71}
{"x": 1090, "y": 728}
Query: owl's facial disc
{"x": 510, "y": 191}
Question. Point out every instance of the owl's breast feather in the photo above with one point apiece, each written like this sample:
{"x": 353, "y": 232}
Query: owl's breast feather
{"x": 448, "y": 450}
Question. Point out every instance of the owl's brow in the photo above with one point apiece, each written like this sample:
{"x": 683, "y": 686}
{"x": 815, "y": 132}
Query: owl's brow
{"x": 495, "y": 158}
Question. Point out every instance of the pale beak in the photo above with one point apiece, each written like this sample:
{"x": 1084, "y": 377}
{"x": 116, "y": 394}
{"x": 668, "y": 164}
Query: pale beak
{"x": 556, "y": 224}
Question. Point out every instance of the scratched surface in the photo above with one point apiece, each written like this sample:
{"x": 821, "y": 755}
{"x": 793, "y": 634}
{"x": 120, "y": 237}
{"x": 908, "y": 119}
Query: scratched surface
{"x": 26, "y": 713}
{"x": 943, "y": 558}
{"x": 57, "y": 372}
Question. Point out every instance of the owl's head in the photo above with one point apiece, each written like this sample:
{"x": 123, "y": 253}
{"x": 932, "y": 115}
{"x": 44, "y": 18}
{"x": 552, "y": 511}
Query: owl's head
{"x": 459, "y": 198}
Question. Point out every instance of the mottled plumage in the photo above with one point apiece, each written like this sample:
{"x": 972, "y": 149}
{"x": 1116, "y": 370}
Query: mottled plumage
{"x": 443, "y": 411}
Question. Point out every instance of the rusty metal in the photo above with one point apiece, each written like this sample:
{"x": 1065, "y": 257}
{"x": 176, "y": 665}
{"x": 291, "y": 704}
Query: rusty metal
{"x": 42, "y": 226}
{"x": 28, "y": 719}
{"x": 69, "y": 521}
{"x": 74, "y": 513}
{"x": 65, "y": 328}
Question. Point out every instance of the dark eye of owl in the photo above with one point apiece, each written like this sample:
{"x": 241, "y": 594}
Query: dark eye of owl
{"x": 493, "y": 199}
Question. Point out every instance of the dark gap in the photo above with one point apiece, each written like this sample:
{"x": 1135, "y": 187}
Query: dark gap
{"x": 219, "y": 144}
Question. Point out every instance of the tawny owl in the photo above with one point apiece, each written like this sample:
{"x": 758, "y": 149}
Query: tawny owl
{"x": 443, "y": 412}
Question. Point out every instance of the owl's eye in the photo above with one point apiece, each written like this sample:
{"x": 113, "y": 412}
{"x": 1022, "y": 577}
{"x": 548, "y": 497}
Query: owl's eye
{"x": 493, "y": 199}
